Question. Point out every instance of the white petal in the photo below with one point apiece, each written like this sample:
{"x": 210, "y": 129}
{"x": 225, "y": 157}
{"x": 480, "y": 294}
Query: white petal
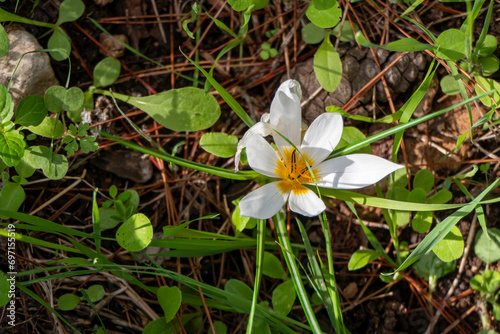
{"x": 306, "y": 203}
{"x": 261, "y": 156}
{"x": 263, "y": 203}
{"x": 322, "y": 136}
{"x": 285, "y": 114}
{"x": 354, "y": 171}
{"x": 260, "y": 129}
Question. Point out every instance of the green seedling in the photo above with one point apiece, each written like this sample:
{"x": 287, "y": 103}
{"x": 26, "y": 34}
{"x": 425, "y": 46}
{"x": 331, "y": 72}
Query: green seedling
{"x": 78, "y": 137}
{"x": 69, "y": 301}
{"x": 119, "y": 208}
{"x": 267, "y": 51}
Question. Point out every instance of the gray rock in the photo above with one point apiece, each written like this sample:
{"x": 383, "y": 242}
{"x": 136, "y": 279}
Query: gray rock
{"x": 34, "y": 74}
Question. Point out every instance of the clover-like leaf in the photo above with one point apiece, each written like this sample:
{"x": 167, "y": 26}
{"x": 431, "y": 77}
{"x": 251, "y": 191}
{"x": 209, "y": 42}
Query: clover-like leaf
{"x": 170, "y": 299}
{"x": 106, "y": 72}
{"x": 58, "y": 98}
{"x": 31, "y": 111}
{"x": 135, "y": 234}
{"x": 70, "y": 10}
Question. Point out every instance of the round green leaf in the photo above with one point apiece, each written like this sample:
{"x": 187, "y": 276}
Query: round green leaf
{"x": 441, "y": 197}
{"x": 312, "y": 34}
{"x": 488, "y": 84}
{"x": 327, "y": 66}
{"x": 451, "y": 247}
{"x": 450, "y": 45}
{"x": 238, "y": 288}
{"x": 488, "y": 249}
{"x": 54, "y": 166}
{"x": 96, "y": 293}
{"x": 220, "y": 328}
{"x": 489, "y": 45}
{"x": 70, "y": 10}
{"x": 417, "y": 195}
{"x": 424, "y": 179}
{"x": 241, "y": 222}
{"x": 239, "y": 5}
{"x": 12, "y": 196}
{"x": 135, "y": 234}
{"x": 284, "y": 297}
{"x": 489, "y": 65}
{"x": 264, "y": 55}
{"x": 106, "y": 218}
{"x": 183, "y": 109}
{"x": 11, "y": 146}
{"x": 219, "y": 144}
{"x": 4, "y": 42}
{"x": 422, "y": 221}
{"x": 170, "y": 301}
{"x": 68, "y": 302}
{"x": 430, "y": 265}
{"x": 361, "y": 258}
{"x": 157, "y": 326}
{"x": 259, "y": 4}
{"x": 272, "y": 267}
{"x": 31, "y": 111}
{"x": 50, "y": 128}
{"x": 58, "y": 98}
{"x": 449, "y": 85}
{"x": 106, "y": 72}
{"x": 347, "y": 35}
{"x": 59, "y": 40}
{"x": 324, "y": 13}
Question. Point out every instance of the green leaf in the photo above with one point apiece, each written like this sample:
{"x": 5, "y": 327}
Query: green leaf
{"x": 113, "y": 191}
{"x": 488, "y": 249}
{"x": 422, "y": 221}
{"x": 11, "y": 146}
{"x": 327, "y": 66}
{"x": 284, "y": 297}
{"x": 70, "y": 10}
{"x": 361, "y": 258}
{"x": 135, "y": 234}
{"x": 489, "y": 46}
{"x": 312, "y": 34}
{"x": 424, "y": 179}
{"x": 489, "y": 65}
{"x": 31, "y": 111}
{"x": 4, "y": 289}
{"x": 96, "y": 293}
{"x": 240, "y": 222}
{"x": 441, "y": 197}
{"x": 4, "y": 42}
{"x": 401, "y": 45}
{"x": 183, "y": 109}
{"x": 54, "y": 166}
{"x": 68, "y": 302}
{"x": 12, "y": 196}
{"x": 106, "y": 72}
{"x": 220, "y": 328}
{"x": 50, "y": 128}
{"x": 488, "y": 84}
{"x": 351, "y": 135}
{"x": 449, "y": 85}
{"x": 170, "y": 299}
{"x": 24, "y": 169}
{"x": 451, "y": 247}
{"x": 240, "y": 5}
{"x": 219, "y": 144}
{"x": 238, "y": 288}
{"x": 430, "y": 265}
{"x": 58, "y": 98}
{"x": 106, "y": 218}
{"x": 6, "y": 105}
{"x": 272, "y": 267}
{"x": 88, "y": 144}
{"x": 324, "y": 13}
{"x": 450, "y": 45}
{"x": 59, "y": 40}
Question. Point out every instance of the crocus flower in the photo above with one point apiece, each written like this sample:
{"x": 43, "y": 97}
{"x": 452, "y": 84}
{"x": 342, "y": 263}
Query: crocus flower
{"x": 287, "y": 164}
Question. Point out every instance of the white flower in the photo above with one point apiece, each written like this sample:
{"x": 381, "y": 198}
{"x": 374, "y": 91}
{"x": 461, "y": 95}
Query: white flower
{"x": 288, "y": 166}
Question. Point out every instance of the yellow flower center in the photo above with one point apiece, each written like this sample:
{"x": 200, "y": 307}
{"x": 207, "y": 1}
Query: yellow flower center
{"x": 292, "y": 168}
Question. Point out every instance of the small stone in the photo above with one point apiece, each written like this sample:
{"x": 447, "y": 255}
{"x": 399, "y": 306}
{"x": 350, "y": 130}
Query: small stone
{"x": 351, "y": 290}
{"x": 127, "y": 164}
{"x": 34, "y": 74}
{"x": 116, "y": 49}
